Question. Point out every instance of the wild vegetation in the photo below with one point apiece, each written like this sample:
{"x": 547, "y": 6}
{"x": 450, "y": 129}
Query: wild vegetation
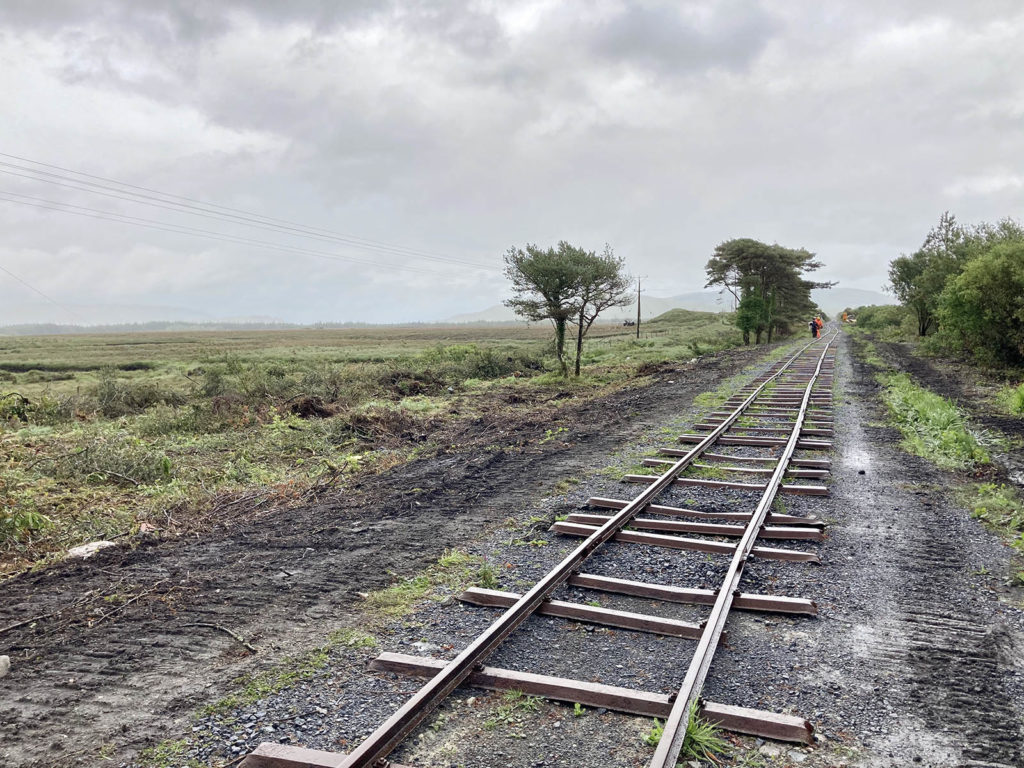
{"x": 932, "y": 426}
{"x": 105, "y": 437}
{"x": 964, "y": 288}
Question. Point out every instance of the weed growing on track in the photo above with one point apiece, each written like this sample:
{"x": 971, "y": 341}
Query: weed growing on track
{"x": 932, "y": 426}
{"x": 510, "y": 712}
{"x": 701, "y": 742}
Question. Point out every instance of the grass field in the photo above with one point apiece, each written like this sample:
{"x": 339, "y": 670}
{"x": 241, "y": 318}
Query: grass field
{"x": 104, "y": 436}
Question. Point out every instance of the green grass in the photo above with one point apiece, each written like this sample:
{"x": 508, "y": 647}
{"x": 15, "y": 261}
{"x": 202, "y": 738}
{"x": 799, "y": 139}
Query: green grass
{"x": 932, "y": 426}
{"x": 1011, "y": 399}
{"x": 702, "y": 740}
{"x": 454, "y": 571}
{"x": 102, "y": 435}
{"x": 167, "y": 754}
{"x": 868, "y": 352}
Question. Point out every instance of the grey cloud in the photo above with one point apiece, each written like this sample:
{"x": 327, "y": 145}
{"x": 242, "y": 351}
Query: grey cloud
{"x": 674, "y": 40}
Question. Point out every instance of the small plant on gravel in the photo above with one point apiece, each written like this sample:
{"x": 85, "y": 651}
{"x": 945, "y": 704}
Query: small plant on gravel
{"x": 1000, "y": 508}
{"x": 701, "y": 742}
{"x": 167, "y": 754}
{"x": 578, "y": 710}
{"x": 551, "y": 434}
{"x": 514, "y": 704}
{"x": 653, "y": 736}
{"x": 487, "y": 575}
{"x": 565, "y": 485}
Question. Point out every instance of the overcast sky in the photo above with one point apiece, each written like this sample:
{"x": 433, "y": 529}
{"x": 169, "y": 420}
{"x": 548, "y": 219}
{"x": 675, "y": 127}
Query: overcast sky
{"x": 459, "y": 129}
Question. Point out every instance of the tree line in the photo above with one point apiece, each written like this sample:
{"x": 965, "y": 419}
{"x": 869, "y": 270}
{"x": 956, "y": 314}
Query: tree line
{"x": 965, "y": 288}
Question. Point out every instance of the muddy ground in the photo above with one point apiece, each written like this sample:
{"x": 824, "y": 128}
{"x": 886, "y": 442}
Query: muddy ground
{"x": 917, "y": 657}
{"x": 89, "y": 679}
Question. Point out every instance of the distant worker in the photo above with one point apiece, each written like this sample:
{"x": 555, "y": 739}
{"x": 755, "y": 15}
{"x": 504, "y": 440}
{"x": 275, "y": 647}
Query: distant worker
{"x": 817, "y": 322}
{"x": 813, "y": 325}
{"x": 845, "y": 318}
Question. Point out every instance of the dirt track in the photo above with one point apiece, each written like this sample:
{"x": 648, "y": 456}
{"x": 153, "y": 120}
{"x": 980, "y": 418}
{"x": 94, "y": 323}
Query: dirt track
{"x": 281, "y": 580}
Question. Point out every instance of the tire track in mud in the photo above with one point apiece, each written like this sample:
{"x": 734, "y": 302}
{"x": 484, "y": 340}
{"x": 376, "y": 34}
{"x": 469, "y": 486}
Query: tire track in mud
{"x": 956, "y": 655}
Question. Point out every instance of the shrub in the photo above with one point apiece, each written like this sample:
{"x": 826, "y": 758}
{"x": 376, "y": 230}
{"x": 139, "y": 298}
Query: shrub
{"x": 16, "y": 523}
{"x": 116, "y": 397}
{"x": 45, "y": 410}
{"x": 1012, "y": 399}
{"x": 981, "y": 311}
{"x": 887, "y": 319}
{"x": 164, "y": 419}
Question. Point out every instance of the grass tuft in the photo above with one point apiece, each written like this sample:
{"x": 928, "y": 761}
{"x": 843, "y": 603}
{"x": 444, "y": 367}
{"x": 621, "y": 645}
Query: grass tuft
{"x": 1011, "y": 399}
{"x": 701, "y": 742}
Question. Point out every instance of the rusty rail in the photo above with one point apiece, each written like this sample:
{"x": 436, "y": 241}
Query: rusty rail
{"x": 671, "y": 744}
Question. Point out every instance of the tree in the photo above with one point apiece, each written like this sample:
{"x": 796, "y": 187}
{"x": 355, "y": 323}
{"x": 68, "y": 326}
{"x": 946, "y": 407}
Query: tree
{"x": 767, "y": 282}
{"x": 982, "y": 308}
{"x": 750, "y": 316}
{"x": 545, "y": 287}
{"x": 918, "y": 280}
{"x": 603, "y": 284}
{"x": 565, "y": 284}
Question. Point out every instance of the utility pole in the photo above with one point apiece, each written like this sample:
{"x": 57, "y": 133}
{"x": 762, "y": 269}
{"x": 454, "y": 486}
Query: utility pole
{"x": 638, "y": 307}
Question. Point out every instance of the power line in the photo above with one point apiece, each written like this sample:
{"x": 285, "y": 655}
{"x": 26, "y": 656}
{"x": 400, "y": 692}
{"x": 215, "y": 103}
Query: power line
{"x": 94, "y": 213}
{"x": 36, "y": 290}
{"x": 211, "y": 210}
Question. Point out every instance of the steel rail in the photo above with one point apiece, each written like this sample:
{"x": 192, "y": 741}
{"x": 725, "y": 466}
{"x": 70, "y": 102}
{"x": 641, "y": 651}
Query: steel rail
{"x": 674, "y": 734}
{"x": 379, "y": 744}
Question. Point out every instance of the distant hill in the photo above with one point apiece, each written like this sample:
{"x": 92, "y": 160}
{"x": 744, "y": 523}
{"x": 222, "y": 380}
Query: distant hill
{"x": 650, "y": 306}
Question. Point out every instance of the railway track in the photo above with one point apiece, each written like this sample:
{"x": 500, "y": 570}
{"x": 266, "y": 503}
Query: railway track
{"x": 747, "y": 448}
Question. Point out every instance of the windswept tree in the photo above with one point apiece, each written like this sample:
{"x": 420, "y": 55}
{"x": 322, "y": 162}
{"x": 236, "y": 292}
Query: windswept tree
{"x": 603, "y": 284}
{"x": 565, "y": 285}
{"x": 767, "y": 283}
